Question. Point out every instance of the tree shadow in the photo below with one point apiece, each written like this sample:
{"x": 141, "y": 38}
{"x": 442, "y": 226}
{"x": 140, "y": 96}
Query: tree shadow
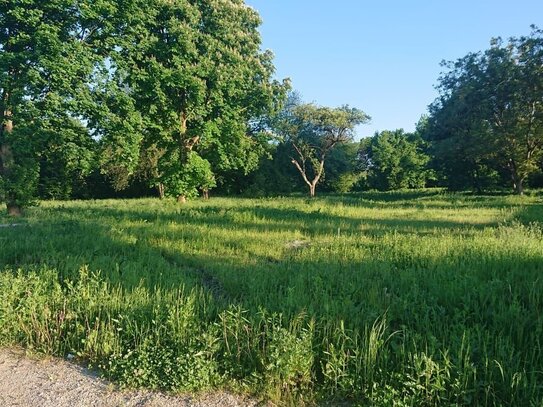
{"x": 210, "y": 245}
{"x": 65, "y": 244}
{"x": 531, "y": 213}
{"x": 311, "y": 220}
{"x": 476, "y": 304}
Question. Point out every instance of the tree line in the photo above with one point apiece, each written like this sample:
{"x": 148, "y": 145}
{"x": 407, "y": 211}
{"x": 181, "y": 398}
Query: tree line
{"x": 175, "y": 98}
{"x": 170, "y": 92}
{"x": 484, "y": 131}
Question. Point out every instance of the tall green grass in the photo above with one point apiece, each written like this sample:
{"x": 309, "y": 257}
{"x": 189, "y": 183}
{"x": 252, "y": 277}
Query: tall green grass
{"x": 407, "y": 299}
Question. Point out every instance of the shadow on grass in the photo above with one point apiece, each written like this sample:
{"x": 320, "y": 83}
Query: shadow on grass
{"x": 264, "y": 218}
{"x": 487, "y": 303}
{"x": 131, "y": 246}
{"x": 422, "y": 199}
{"x": 102, "y": 236}
{"x": 435, "y": 299}
{"x": 532, "y": 213}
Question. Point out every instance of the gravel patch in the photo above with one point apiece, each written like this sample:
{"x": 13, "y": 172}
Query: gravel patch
{"x": 55, "y": 382}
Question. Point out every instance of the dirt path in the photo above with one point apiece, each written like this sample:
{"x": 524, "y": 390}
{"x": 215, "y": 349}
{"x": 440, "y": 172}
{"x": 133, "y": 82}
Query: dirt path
{"x": 57, "y": 383}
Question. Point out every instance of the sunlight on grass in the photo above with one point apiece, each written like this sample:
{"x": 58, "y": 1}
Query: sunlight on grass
{"x": 428, "y": 299}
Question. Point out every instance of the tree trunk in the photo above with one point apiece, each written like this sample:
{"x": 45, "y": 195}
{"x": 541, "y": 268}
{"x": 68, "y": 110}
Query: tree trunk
{"x": 7, "y": 160}
{"x": 516, "y": 178}
{"x": 6, "y": 128}
{"x": 183, "y": 150}
{"x": 313, "y": 184}
{"x": 519, "y": 187}
{"x": 8, "y": 125}
{"x": 14, "y": 209}
{"x": 312, "y": 188}
{"x": 477, "y": 182}
{"x": 205, "y": 193}
{"x": 160, "y": 188}
{"x": 186, "y": 144}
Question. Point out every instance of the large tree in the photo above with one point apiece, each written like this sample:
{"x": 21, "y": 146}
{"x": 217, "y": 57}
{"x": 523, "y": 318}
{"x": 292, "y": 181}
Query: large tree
{"x": 313, "y": 132}
{"x": 490, "y": 111}
{"x": 196, "y": 73}
{"x": 394, "y": 160}
{"x": 50, "y": 54}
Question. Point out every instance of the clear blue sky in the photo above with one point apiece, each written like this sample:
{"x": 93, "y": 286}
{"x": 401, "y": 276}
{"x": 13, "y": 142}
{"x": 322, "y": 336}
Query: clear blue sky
{"x": 382, "y": 56}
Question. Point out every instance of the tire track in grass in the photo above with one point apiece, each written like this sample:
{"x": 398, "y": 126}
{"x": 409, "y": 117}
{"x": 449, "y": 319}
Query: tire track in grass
{"x": 206, "y": 278}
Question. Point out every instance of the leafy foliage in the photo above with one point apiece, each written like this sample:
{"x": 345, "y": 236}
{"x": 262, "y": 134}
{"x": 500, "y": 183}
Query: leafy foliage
{"x": 101, "y": 84}
{"x": 194, "y": 175}
{"x": 50, "y": 56}
{"x": 394, "y": 160}
{"x": 201, "y": 83}
{"x": 489, "y": 116}
{"x": 313, "y": 132}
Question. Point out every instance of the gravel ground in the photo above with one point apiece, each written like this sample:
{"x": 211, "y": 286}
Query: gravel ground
{"x": 25, "y": 381}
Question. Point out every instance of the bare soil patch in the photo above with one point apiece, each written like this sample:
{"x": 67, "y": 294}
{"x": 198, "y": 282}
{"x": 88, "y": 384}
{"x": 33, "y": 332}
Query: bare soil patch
{"x": 51, "y": 382}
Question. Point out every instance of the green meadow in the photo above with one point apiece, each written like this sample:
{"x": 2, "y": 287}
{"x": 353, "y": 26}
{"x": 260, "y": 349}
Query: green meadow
{"x": 419, "y": 298}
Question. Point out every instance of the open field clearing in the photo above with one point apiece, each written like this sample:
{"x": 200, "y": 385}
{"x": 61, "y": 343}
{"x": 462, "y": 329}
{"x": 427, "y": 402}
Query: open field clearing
{"x": 421, "y": 298}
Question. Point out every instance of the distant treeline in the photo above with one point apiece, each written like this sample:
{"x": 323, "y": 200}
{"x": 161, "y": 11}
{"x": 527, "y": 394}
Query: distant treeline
{"x": 387, "y": 161}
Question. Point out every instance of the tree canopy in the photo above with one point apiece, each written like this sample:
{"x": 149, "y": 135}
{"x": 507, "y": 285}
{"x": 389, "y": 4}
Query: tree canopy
{"x": 490, "y": 111}
{"x": 171, "y": 91}
{"x": 44, "y": 64}
{"x": 394, "y": 160}
{"x": 313, "y": 132}
{"x": 100, "y": 97}
{"x": 201, "y": 84}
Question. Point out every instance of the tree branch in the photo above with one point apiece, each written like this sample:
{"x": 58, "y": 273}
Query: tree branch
{"x": 301, "y": 170}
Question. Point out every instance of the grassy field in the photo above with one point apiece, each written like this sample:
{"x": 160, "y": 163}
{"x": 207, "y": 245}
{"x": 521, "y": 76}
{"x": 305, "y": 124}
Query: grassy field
{"x": 414, "y": 299}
